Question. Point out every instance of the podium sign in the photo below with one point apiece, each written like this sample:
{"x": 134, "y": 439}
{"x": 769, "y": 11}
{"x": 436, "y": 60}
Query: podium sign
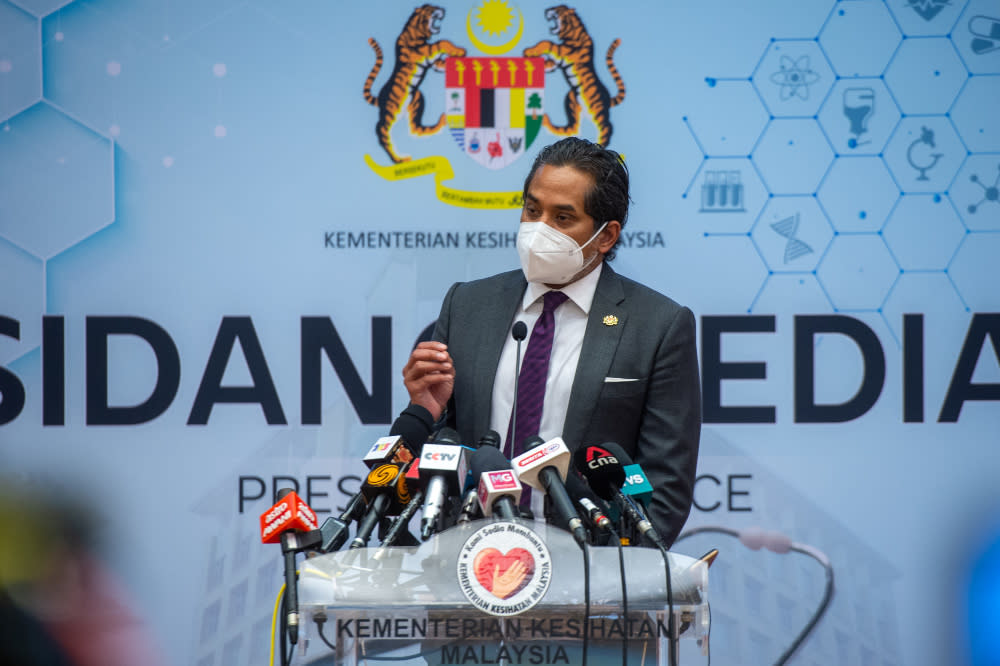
{"x": 497, "y": 592}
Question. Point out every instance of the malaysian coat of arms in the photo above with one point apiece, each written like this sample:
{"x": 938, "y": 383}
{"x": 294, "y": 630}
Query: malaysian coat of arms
{"x": 494, "y": 99}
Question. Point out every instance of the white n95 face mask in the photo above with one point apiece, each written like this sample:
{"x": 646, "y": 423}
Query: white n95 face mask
{"x": 548, "y": 255}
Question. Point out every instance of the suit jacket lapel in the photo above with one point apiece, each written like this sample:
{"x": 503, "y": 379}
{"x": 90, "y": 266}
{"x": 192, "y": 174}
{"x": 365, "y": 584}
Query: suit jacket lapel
{"x": 600, "y": 341}
{"x": 497, "y": 314}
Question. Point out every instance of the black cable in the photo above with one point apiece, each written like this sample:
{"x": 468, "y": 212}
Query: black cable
{"x": 824, "y": 602}
{"x": 708, "y": 634}
{"x": 586, "y": 601}
{"x": 282, "y": 631}
{"x": 320, "y": 620}
{"x": 670, "y": 604}
{"x": 779, "y": 543}
{"x": 621, "y": 569}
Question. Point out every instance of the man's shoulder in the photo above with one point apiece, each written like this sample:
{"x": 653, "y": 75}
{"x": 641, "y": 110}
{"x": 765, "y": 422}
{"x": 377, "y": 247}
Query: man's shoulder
{"x": 501, "y": 281}
{"x": 644, "y": 296}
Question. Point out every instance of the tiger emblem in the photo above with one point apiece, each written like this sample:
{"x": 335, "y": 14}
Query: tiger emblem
{"x": 415, "y": 54}
{"x": 574, "y": 55}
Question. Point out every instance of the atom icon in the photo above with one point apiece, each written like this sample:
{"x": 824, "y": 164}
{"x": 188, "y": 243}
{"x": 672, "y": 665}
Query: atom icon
{"x": 991, "y": 193}
{"x": 794, "y": 78}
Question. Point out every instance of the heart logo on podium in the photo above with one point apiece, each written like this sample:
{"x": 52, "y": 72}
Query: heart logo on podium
{"x": 504, "y": 574}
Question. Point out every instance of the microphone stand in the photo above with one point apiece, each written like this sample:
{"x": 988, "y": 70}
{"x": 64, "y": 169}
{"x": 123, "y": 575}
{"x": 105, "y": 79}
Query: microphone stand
{"x": 520, "y": 331}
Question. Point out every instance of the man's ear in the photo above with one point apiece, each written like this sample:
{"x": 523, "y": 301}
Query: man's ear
{"x": 609, "y": 236}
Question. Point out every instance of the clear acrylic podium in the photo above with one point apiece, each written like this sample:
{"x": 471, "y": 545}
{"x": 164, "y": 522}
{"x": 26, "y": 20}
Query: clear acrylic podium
{"x": 429, "y": 604}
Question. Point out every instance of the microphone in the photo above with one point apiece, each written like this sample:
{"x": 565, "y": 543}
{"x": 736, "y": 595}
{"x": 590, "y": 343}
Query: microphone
{"x": 289, "y": 513}
{"x": 443, "y": 468}
{"x": 398, "y": 525}
{"x": 334, "y": 530}
{"x": 585, "y": 497}
{"x": 544, "y": 468}
{"x": 384, "y": 488}
{"x": 470, "y": 504}
{"x": 499, "y": 490}
{"x": 519, "y": 332}
{"x": 491, "y": 438}
{"x": 637, "y": 486}
{"x": 402, "y": 521}
{"x": 279, "y": 523}
{"x": 604, "y": 468}
{"x": 470, "y": 501}
{"x": 409, "y": 431}
{"x": 391, "y": 449}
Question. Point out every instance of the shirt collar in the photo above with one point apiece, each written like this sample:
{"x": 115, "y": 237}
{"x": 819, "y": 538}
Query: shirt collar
{"x": 580, "y": 292}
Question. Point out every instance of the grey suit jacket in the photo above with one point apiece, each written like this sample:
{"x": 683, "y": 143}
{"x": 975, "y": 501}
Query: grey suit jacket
{"x": 656, "y": 418}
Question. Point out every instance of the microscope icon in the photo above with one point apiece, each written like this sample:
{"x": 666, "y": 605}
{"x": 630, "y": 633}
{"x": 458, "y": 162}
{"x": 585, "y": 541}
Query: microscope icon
{"x": 928, "y": 158}
{"x": 859, "y": 104}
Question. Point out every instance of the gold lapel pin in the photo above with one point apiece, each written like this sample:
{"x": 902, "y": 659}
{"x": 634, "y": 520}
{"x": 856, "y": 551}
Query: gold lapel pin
{"x": 610, "y": 320}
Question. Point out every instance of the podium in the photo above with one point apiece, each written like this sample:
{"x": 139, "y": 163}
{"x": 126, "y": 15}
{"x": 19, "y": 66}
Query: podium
{"x": 501, "y": 592}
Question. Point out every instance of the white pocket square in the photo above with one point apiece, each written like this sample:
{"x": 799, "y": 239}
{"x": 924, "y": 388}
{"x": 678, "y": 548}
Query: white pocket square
{"x": 610, "y": 380}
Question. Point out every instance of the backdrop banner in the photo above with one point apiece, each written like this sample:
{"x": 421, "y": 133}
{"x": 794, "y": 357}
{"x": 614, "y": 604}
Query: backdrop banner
{"x": 225, "y": 223}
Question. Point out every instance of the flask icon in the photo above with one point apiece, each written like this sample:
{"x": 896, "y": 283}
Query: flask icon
{"x": 722, "y": 192}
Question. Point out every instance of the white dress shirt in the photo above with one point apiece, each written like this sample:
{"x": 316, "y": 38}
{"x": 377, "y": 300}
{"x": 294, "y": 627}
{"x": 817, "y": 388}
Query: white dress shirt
{"x": 571, "y": 324}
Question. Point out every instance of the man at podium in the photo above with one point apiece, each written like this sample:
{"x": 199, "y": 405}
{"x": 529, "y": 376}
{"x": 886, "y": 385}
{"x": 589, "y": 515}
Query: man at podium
{"x": 606, "y": 360}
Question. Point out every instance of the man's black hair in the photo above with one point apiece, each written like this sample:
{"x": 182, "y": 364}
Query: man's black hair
{"x": 608, "y": 197}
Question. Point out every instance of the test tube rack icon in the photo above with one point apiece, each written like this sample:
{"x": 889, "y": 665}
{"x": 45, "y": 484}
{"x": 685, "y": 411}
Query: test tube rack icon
{"x": 722, "y": 192}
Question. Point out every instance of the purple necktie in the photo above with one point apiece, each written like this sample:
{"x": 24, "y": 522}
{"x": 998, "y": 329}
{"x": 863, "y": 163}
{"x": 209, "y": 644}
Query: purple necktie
{"x": 534, "y": 370}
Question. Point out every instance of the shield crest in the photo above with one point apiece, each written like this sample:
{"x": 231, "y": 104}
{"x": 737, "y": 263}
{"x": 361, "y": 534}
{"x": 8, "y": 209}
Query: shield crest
{"x": 494, "y": 106}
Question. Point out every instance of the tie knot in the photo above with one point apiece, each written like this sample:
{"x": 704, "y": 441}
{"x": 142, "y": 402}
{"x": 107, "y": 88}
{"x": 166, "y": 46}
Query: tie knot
{"x": 553, "y": 299}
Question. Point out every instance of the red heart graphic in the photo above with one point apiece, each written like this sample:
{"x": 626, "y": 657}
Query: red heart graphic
{"x": 493, "y": 567}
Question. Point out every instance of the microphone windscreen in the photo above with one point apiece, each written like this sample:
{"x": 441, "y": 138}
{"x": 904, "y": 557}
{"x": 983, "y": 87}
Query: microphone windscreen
{"x": 603, "y": 467}
{"x": 447, "y": 435}
{"x": 532, "y": 442}
{"x": 520, "y": 330}
{"x": 577, "y": 488}
{"x": 413, "y": 432}
{"x": 618, "y": 452}
{"x": 487, "y": 459}
{"x": 491, "y": 438}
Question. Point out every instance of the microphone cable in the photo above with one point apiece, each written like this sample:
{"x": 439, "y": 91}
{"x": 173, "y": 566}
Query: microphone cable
{"x": 279, "y": 618}
{"x": 665, "y": 554}
{"x": 671, "y": 624}
{"x": 586, "y": 601}
{"x": 621, "y": 569}
{"x": 754, "y": 538}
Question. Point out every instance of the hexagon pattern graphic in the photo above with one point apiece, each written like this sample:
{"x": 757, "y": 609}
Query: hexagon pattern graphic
{"x": 923, "y": 232}
{"x": 975, "y": 113}
{"x": 859, "y": 38}
{"x": 858, "y": 272}
{"x": 976, "y": 37}
{"x": 925, "y": 75}
{"x": 976, "y": 192}
{"x": 793, "y": 77}
{"x": 971, "y": 268}
{"x": 792, "y": 234}
{"x": 793, "y": 154}
{"x": 20, "y": 62}
{"x": 926, "y": 17}
{"x": 858, "y": 193}
{"x": 884, "y": 125}
{"x": 56, "y": 173}
{"x": 54, "y": 181}
{"x": 858, "y": 116}
{"x": 925, "y": 153}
